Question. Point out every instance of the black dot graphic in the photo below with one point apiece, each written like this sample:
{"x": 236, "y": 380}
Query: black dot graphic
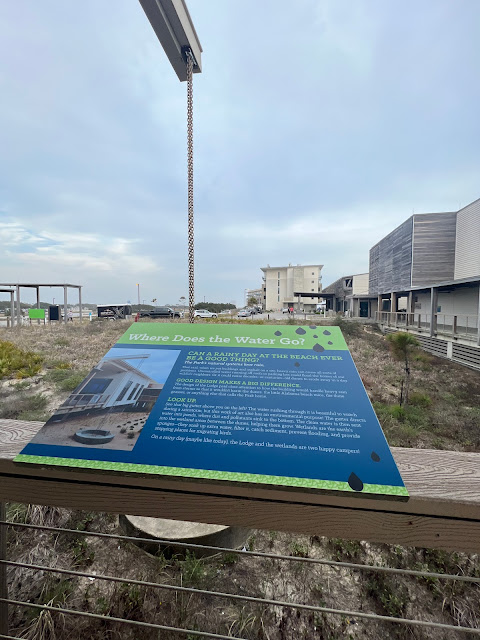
{"x": 312, "y": 326}
{"x": 315, "y": 335}
{"x": 375, "y": 457}
{"x": 278, "y": 333}
{"x": 355, "y": 483}
{"x": 327, "y": 333}
{"x": 330, "y": 342}
{"x": 318, "y": 347}
{"x": 297, "y": 364}
{"x": 300, "y": 331}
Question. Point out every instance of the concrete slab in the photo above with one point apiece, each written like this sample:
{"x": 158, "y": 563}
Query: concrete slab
{"x": 182, "y": 531}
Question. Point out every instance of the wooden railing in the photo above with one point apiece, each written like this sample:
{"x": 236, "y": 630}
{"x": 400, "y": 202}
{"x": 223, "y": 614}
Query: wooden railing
{"x": 459, "y": 326}
{"x": 443, "y": 510}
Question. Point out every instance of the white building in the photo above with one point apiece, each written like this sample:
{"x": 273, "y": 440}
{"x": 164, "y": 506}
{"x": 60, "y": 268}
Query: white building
{"x": 113, "y": 383}
{"x": 281, "y": 283}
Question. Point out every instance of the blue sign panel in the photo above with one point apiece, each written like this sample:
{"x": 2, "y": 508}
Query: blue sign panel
{"x": 275, "y": 405}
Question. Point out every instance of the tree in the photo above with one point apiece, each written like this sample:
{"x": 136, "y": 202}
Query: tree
{"x": 252, "y": 301}
{"x": 402, "y": 345}
{"x": 154, "y": 301}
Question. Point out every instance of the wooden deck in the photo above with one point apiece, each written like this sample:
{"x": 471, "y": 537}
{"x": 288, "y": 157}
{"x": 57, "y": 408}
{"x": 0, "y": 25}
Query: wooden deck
{"x": 443, "y": 510}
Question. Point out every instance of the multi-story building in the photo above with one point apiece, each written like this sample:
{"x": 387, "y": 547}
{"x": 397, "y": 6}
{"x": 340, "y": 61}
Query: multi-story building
{"x": 281, "y": 283}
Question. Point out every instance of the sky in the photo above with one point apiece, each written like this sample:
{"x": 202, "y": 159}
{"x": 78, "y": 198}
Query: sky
{"x": 320, "y": 125}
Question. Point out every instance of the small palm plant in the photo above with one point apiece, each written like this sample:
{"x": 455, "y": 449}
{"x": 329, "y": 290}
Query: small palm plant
{"x": 402, "y": 345}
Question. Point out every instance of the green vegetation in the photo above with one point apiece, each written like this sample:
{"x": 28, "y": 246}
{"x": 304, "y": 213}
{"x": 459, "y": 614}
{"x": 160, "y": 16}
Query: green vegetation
{"x": 348, "y": 328}
{"x": 16, "y": 363}
{"x": 64, "y": 378}
{"x": 214, "y": 307}
{"x": 298, "y": 549}
{"x": 23, "y": 406}
{"x": 345, "y": 549}
{"x": 386, "y": 591}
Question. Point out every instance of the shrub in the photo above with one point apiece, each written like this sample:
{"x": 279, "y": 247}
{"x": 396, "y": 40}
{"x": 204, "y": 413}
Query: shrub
{"x": 18, "y": 363}
{"x": 347, "y": 327}
{"x": 398, "y": 413}
{"x": 420, "y": 400}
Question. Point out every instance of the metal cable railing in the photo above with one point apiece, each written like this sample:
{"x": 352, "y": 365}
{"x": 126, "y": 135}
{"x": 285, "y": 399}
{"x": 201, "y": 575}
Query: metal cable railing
{"x": 212, "y": 595}
{"x": 253, "y": 554}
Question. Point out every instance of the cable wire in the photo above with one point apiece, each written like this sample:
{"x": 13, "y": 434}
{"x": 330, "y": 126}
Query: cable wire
{"x": 256, "y": 554}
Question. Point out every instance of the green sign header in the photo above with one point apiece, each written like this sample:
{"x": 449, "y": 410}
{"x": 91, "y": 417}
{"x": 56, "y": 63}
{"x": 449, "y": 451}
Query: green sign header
{"x": 309, "y": 337}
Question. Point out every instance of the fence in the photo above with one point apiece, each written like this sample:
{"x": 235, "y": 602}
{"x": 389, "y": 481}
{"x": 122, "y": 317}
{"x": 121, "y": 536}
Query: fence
{"x": 456, "y": 326}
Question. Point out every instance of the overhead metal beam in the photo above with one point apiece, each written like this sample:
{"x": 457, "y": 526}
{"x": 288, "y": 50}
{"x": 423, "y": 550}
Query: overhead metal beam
{"x": 174, "y": 28}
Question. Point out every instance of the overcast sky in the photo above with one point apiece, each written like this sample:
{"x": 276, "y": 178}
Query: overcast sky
{"x": 319, "y": 127}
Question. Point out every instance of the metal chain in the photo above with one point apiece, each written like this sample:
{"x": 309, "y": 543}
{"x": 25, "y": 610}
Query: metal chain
{"x": 191, "y": 264}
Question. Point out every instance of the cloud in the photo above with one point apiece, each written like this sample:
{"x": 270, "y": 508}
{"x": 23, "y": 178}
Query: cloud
{"x": 66, "y": 255}
{"x": 319, "y": 127}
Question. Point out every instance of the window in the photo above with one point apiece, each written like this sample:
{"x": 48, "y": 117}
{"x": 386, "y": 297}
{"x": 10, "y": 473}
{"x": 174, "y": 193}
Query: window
{"x": 348, "y": 283}
{"x": 278, "y": 299}
{"x": 313, "y": 273}
{"x": 122, "y": 393}
{"x": 278, "y": 277}
{"x": 96, "y": 385}
{"x": 313, "y": 289}
{"x": 133, "y": 392}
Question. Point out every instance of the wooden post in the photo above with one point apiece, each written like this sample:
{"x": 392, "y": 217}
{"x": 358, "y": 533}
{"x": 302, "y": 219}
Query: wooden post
{"x": 3, "y": 572}
{"x": 454, "y": 326}
{"x": 80, "y": 303}
{"x": 38, "y": 301}
{"x": 478, "y": 318}
{"x": 410, "y": 309}
{"x": 65, "y": 318}
{"x": 19, "y": 312}
{"x": 12, "y": 309}
{"x": 433, "y": 310}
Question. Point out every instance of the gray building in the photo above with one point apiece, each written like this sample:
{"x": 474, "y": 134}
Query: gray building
{"x": 419, "y": 252}
{"x": 426, "y": 274}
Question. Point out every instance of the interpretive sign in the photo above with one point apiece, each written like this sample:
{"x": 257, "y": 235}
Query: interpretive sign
{"x": 275, "y": 405}
{"x": 36, "y": 314}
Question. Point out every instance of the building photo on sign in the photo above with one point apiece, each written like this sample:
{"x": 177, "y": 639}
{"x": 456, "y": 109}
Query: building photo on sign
{"x": 109, "y": 408}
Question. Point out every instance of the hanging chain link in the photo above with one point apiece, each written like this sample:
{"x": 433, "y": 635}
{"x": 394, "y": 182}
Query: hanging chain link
{"x": 191, "y": 264}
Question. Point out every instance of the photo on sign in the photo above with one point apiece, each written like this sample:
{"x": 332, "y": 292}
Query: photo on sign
{"x": 110, "y": 406}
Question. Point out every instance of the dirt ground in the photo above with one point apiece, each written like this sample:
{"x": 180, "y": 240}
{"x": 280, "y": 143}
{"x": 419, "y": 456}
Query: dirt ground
{"x": 125, "y": 426}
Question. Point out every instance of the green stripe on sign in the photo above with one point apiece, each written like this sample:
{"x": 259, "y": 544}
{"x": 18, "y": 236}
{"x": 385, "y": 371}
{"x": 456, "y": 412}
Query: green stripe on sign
{"x": 313, "y": 338}
{"x": 306, "y": 483}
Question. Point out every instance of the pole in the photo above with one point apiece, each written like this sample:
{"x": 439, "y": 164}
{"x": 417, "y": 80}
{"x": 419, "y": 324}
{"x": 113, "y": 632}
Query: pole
{"x": 138, "y": 293}
{"x": 3, "y": 572}
{"x": 12, "y": 309}
{"x": 38, "y": 301}
{"x": 65, "y": 317}
{"x": 19, "y": 309}
{"x": 80, "y": 303}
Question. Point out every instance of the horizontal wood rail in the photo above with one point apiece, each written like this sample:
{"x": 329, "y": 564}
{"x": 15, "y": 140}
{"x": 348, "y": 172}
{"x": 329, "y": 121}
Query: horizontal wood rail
{"x": 443, "y": 510}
